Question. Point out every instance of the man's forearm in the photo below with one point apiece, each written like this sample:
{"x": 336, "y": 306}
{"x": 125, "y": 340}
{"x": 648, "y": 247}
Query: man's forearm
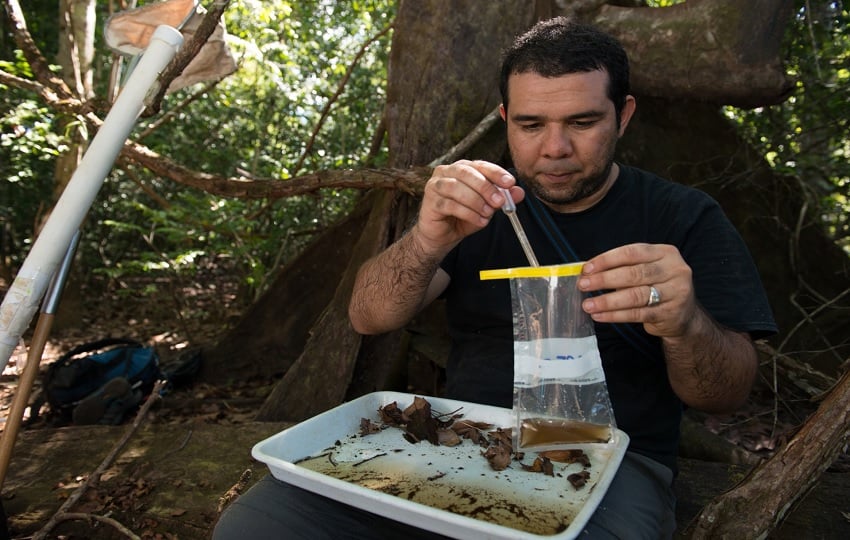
{"x": 713, "y": 368}
{"x": 390, "y": 288}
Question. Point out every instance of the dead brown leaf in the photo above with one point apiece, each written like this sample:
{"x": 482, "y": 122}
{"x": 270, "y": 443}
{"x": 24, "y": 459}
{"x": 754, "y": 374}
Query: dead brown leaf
{"x": 392, "y": 415}
{"x": 473, "y": 431}
{"x": 576, "y": 455}
{"x": 579, "y": 479}
{"x": 498, "y": 456}
{"x": 541, "y": 464}
{"x": 367, "y": 427}
{"x": 448, "y": 437}
{"x": 422, "y": 426}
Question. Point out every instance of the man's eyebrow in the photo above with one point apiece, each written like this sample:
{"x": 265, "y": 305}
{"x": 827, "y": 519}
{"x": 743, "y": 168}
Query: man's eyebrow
{"x": 527, "y": 117}
{"x": 570, "y": 118}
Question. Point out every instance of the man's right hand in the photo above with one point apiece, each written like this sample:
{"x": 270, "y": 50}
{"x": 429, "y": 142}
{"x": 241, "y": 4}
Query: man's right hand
{"x": 392, "y": 287}
{"x": 459, "y": 200}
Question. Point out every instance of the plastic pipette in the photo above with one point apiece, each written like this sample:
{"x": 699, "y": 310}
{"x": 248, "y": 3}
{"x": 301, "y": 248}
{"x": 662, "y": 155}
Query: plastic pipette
{"x": 509, "y": 208}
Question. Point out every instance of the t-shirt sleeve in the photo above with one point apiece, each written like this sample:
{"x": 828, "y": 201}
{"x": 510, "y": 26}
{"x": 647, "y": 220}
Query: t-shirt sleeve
{"x": 726, "y": 279}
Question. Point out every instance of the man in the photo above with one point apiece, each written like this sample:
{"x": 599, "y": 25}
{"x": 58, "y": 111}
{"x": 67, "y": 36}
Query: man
{"x": 673, "y": 291}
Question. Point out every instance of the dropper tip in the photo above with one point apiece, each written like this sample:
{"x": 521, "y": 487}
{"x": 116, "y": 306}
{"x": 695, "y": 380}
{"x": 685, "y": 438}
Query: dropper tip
{"x": 509, "y": 205}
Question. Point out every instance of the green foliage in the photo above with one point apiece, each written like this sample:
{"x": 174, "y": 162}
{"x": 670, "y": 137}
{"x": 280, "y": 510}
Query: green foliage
{"x": 257, "y": 122}
{"x": 28, "y": 146}
{"x": 43, "y": 24}
{"x": 291, "y": 65}
{"x": 292, "y": 58}
{"x": 806, "y": 136}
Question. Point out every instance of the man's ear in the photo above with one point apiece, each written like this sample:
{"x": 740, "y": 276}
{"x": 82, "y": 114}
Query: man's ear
{"x": 627, "y": 113}
{"x": 502, "y": 112}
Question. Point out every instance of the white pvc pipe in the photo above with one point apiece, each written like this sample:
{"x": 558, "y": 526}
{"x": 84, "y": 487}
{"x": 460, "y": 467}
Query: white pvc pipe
{"x": 23, "y": 297}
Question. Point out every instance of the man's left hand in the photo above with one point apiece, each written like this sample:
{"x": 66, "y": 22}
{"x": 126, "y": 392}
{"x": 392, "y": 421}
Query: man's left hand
{"x": 642, "y": 283}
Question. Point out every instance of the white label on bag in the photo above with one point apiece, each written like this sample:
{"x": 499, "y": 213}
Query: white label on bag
{"x": 563, "y": 360}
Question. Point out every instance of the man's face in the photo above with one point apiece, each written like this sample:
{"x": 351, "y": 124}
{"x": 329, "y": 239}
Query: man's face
{"x": 562, "y": 133}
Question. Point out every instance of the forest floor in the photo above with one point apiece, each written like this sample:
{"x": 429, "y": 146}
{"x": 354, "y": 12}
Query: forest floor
{"x": 174, "y": 316}
{"x": 179, "y": 317}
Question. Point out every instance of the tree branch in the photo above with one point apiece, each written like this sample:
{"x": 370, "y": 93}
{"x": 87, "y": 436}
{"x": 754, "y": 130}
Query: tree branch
{"x": 27, "y": 84}
{"x": 186, "y": 53}
{"x": 94, "y": 477}
{"x": 784, "y": 479}
{"x": 456, "y": 151}
{"x": 340, "y": 87}
{"x": 38, "y": 64}
{"x": 410, "y": 181}
{"x": 68, "y": 516}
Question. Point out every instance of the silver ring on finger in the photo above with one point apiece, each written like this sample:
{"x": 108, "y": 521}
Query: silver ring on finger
{"x": 654, "y": 297}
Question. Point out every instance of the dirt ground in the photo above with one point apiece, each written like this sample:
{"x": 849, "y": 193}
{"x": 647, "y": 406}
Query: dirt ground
{"x": 176, "y": 470}
{"x": 205, "y": 429}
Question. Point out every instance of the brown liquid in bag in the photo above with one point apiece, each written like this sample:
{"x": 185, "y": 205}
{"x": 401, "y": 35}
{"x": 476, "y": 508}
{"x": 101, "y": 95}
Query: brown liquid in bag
{"x": 546, "y": 431}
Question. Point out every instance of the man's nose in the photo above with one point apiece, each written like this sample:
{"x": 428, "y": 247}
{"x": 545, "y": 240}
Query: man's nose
{"x": 556, "y": 142}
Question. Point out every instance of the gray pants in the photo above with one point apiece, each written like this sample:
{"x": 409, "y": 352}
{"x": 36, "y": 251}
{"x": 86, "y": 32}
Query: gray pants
{"x": 639, "y": 504}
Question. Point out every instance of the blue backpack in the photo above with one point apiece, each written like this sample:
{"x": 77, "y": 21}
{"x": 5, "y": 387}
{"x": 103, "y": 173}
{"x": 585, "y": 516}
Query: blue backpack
{"x": 86, "y": 369}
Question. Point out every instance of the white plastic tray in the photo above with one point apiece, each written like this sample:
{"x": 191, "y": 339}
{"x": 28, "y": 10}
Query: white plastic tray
{"x": 448, "y": 490}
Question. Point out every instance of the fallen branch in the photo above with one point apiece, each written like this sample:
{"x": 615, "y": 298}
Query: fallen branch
{"x": 783, "y": 480}
{"x": 94, "y": 478}
{"x": 70, "y": 516}
{"x": 235, "y": 491}
{"x": 806, "y": 378}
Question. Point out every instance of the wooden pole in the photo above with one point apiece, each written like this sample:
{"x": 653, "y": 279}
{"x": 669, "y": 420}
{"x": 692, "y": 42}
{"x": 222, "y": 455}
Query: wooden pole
{"x": 39, "y": 340}
{"x": 25, "y": 384}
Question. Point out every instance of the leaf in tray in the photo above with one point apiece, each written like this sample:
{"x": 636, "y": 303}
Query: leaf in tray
{"x": 448, "y": 437}
{"x": 502, "y": 436}
{"x": 472, "y": 430}
{"x": 421, "y": 425}
{"x": 575, "y": 455}
{"x": 419, "y": 404}
{"x": 499, "y": 456}
{"x": 368, "y": 427}
{"x": 579, "y": 479}
{"x": 548, "y": 468}
{"x": 540, "y": 465}
{"x": 392, "y": 415}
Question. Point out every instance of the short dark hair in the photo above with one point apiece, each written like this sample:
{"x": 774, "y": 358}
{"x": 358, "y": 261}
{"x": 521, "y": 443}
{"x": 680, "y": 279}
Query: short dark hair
{"x": 560, "y": 46}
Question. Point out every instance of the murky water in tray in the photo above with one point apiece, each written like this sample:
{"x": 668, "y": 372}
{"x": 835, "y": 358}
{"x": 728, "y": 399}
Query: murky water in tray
{"x": 459, "y": 480}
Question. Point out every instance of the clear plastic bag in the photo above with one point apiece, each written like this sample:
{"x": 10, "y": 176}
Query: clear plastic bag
{"x": 560, "y": 395}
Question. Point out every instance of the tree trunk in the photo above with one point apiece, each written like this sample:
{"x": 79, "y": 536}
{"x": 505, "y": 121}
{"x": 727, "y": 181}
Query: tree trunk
{"x": 710, "y": 38}
{"x": 320, "y": 377}
{"x": 76, "y": 54}
{"x": 444, "y": 75}
{"x": 271, "y": 335}
{"x": 419, "y": 130}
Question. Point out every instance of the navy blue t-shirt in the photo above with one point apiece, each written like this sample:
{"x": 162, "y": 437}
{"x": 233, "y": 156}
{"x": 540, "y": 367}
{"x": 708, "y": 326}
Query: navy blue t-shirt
{"x": 640, "y": 207}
